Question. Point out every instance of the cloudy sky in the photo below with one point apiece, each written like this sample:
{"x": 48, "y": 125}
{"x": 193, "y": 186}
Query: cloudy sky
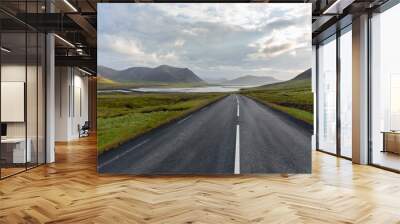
{"x": 213, "y": 40}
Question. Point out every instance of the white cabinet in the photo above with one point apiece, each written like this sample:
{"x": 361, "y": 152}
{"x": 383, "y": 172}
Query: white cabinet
{"x": 12, "y": 101}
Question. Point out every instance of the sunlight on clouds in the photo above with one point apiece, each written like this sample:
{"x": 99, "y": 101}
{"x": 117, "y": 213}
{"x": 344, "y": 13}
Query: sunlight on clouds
{"x": 130, "y": 50}
{"x": 123, "y": 46}
{"x": 281, "y": 41}
{"x": 179, "y": 43}
{"x": 215, "y": 40}
{"x": 247, "y": 16}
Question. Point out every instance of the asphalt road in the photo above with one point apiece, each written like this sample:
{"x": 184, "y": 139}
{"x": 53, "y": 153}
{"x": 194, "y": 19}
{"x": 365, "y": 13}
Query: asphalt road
{"x": 234, "y": 135}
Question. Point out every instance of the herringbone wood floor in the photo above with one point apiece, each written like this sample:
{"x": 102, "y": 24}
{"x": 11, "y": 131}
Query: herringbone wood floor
{"x": 70, "y": 191}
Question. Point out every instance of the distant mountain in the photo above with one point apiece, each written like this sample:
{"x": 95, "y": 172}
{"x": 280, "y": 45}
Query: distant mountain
{"x": 107, "y": 73}
{"x": 303, "y": 80}
{"x": 215, "y": 80}
{"x": 251, "y": 80}
{"x": 160, "y": 74}
{"x": 304, "y": 75}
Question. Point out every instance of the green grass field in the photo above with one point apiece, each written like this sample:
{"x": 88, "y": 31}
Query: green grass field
{"x": 122, "y": 117}
{"x": 293, "y": 97}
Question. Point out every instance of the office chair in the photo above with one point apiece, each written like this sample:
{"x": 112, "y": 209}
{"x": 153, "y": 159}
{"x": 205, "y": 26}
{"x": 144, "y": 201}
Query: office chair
{"x": 84, "y": 130}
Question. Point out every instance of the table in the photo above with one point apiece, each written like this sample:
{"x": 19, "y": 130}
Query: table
{"x": 391, "y": 141}
{"x": 13, "y": 150}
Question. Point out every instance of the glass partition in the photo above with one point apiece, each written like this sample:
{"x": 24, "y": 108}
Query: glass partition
{"x": 13, "y": 110}
{"x": 327, "y": 95}
{"x": 22, "y": 77}
{"x": 385, "y": 89}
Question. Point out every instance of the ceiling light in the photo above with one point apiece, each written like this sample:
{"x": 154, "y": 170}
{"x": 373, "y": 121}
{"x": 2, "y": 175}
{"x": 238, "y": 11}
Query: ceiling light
{"x": 79, "y": 51}
{"x": 333, "y": 6}
{"x": 70, "y": 5}
{"x": 65, "y": 41}
{"x": 5, "y": 50}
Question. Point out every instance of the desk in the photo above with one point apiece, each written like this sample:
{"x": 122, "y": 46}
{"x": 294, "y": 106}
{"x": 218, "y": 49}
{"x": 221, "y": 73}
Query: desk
{"x": 391, "y": 141}
{"x": 14, "y": 150}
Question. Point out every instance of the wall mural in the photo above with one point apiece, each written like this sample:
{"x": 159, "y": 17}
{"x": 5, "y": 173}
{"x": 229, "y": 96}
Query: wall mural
{"x": 216, "y": 88}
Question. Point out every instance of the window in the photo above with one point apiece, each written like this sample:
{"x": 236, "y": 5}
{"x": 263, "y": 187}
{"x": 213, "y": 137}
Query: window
{"x": 385, "y": 89}
{"x": 346, "y": 93}
{"x": 327, "y": 96}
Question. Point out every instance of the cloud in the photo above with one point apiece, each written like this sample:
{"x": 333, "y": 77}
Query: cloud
{"x": 131, "y": 50}
{"x": 276, "y": 49}
{"x": 214, "y": 40}
{"x": 179, "y": 43}
{"x": 272, "y": 48}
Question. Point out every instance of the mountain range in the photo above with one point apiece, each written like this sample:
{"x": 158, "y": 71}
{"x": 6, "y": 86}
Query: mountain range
{"x": 301, "y": 80}
{"x": 159, "y": 74}
{"x": 249, "y": 80}
{"x": 170, "y": 74}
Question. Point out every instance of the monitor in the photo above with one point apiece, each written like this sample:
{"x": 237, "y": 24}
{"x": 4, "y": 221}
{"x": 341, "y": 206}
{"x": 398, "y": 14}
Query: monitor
{"x": 3, "y": 129}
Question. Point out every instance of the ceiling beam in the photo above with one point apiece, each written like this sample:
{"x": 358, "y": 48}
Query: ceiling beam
{"x": 77, "y": 61}
{"x": 84, "y": 24}
{"x": 337, "y": 6}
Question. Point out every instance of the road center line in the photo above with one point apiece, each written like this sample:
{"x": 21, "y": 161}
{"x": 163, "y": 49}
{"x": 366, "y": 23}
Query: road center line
{"x": 237, "y": 151}
{"x": 122, "y": 154}
{"x": 237, "y": 101}
{"x": 184, "y": 119}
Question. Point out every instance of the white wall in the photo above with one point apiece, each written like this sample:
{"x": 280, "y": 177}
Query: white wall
{"x": 71, "y": 87}
{"x": 81, "y": 100}
{"x": 62, "y": 82}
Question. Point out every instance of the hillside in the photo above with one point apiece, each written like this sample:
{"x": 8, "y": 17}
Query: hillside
{"x": 107, "y": 73}
{"x": 249, "y": 80}
{"x": 303, "y": 80}
{"x": 293, "y": 97}
{"x": 160, "y": 74}
{"x": 304, "y": 75}
{"x": 104, "y": 81}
